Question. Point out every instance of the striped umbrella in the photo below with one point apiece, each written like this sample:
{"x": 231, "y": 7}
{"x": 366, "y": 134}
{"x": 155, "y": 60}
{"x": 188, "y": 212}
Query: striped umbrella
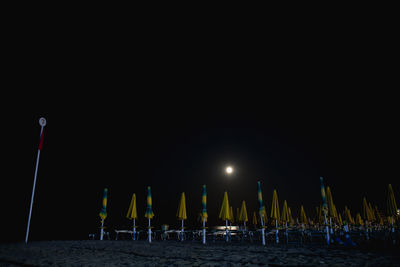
{"x": 204, "y": 214}
{"x": 324, "y": 208}
{"x": 132, "y": 214}
{"x": 149, "y": 211}
{"x": 260, "y": 210}
{"x": 391, "y": 207}
{"x": 103, "y": 212}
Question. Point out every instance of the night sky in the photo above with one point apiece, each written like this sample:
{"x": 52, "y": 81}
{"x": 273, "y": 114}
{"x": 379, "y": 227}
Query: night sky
{"x": 174, "y": 118}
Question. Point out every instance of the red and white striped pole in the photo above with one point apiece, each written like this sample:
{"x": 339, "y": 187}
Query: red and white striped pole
{"x": 42, "y": 122}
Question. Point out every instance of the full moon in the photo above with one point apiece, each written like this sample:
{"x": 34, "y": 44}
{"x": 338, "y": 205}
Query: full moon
{"x": 229, "y": 170}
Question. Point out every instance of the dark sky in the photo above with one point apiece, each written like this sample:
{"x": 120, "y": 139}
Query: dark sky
{"x": 173, "y": 117}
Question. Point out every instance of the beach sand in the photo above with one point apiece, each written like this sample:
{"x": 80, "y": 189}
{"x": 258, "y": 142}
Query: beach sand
{"x": 188, "y": 253}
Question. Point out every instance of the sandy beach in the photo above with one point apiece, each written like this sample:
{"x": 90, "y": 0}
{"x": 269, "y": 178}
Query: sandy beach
{"x": 175, "y": 253}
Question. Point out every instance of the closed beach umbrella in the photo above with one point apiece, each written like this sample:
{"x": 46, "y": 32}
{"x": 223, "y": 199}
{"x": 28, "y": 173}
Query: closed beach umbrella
{"x": 391, "y": 206}
{"x": 371, "y": 210}
{"x": 329, "y": 200}
{"x": 275, "y": 215}
{"x": 349, "y": 219}
{"x": 261, "y": 212}
{"x": 243, "y": 214}
{"x": 237, "y": 214}
{"x": 224, "y": 213}
{"x": 132, "y": 214}
{"x": 291, "y": 221}
{"x": 181, "y": 213}
{"x": 324, "y": 208}
{"x": 285, "y": 214}
{"x": 367, "y": 216}
{"x": 204, "y": 214}
{"x": 103, "y": 212}
{"x": 231, "y": 217}
{"x": 340, "y": 220}
{"x": 285, "y": 218}
{"x": 359, "y": 221}
{"x": 149, "y": 211}
{"x": 303, "y": 217}
{"x": 254, "y": 219}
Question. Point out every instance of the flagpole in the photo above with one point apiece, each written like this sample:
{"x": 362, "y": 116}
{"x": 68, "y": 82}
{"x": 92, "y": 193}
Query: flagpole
{"x": 42, "y": 122}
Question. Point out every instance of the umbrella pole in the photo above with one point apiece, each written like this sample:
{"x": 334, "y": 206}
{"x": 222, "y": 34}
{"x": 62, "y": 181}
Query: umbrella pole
{"x": 286, "y": 233}
{"x": 204, "y": 230}
{"x": 262, "y": 231}
{"x": 226, "y": 227}
{"x": 245, "y": 225}
{"x": 182, "y": 231}
{"x": 134, "y": 230}
{"x": 276, "y": 235}
{"x": 102, "y": 229}
{"x": 149, "y": 232}
{"x": 327, "y": 230}
{"x": 366, "y": 230}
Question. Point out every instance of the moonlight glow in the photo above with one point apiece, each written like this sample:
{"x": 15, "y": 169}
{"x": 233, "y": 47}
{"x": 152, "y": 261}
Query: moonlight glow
{"x": 229, "y": 170}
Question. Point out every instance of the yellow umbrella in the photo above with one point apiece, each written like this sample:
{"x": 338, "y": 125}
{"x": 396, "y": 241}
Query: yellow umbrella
{"x": 264, "y": 214}
{"x": 243, "y": 214}
{"x": 275, "y": 213}
{"x": 275, "y": 207}
{"x": 181, "y": 213}
{"x": 371, "y": 210}
{"x": 366, "y": 212}
{"x": 237, "y": 214}
{"x": 359, "y": 220}
{"x": 340, "y": 220}
{"x": 285, "y": 213}
{"x": 391, "y": 207}
{"x": 291, "y": 221}
{"x": 347, "y": 216}
{"x": 231, "y": 217}
{"x": 378, "y": 215}
{"x": 254, "y": 219}
{"x": 132, "y": 214}
{"x": 329, "y": 200}
{"x": 224, "y": 213}
{"x": 321, "y": 218}
{"x": 303, "y": 217}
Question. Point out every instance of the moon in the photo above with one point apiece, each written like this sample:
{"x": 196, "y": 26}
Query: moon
{"x": 229, "y": 170}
